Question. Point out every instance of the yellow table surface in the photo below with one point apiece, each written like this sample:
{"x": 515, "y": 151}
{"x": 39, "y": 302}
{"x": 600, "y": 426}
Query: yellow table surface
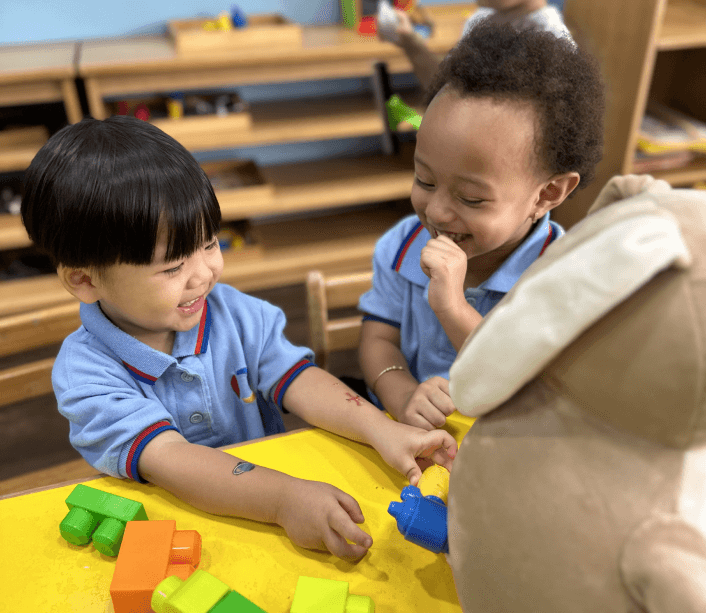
{"x": 40, "y": 572}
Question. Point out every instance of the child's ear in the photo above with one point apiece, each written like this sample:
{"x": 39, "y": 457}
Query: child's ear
{"x": 78, "y": 282}
{"x": 557, "y": 190}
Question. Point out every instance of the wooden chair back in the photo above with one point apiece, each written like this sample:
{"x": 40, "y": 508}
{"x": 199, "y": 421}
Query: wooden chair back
{"x": 326, "y": 294}
{"x": 25, "y": 332}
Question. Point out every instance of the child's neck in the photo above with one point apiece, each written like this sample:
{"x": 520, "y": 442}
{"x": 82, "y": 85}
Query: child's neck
{"x": 521, "y": 10}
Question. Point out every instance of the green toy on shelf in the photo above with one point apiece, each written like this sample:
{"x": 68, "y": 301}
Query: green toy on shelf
{"x": 398, "y": 111}
{"x": 98, "y": 516}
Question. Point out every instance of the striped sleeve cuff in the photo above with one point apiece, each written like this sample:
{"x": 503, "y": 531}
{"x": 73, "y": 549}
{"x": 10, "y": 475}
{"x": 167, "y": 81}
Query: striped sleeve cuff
{"x": 389, "y": 322}
{"x": 138, "y": 445}
{"x": 287, "y": 379}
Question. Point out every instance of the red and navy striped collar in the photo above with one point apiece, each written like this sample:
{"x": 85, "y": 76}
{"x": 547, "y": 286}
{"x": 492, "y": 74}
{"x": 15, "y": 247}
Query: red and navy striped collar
{"x": 143, "y": 363}
{"x": 406, "y": 260}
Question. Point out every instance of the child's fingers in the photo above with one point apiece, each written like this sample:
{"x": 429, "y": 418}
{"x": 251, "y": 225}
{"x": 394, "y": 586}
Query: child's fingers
{"x": 338, "y": 546}
{"x": 414, "y": 474}
{"x": 350, "y": 505}
{"x": 442, "y": 401}
{"x": 346, "y": 539}
{"x": 438, "y": 442}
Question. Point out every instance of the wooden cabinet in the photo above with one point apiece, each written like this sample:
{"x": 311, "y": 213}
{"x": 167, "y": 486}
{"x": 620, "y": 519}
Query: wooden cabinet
{"x": 648, "y": 49}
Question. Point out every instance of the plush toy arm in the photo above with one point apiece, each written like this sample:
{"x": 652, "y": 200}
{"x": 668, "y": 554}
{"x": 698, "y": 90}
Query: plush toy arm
{"x": 663, "y": 566}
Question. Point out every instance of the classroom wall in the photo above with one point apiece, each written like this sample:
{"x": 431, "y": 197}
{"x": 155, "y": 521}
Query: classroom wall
{"x": 39, "y": 20}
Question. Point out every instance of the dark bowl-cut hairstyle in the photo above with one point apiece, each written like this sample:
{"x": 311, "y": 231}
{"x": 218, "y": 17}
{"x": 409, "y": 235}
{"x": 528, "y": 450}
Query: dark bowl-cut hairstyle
{"x": 99, "y": 193}
{"x": 560, "y": 80}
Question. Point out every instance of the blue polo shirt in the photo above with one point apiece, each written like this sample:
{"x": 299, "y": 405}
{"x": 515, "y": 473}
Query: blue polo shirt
{"x": 399, "y": 295}
{"x": 222, "y": 384}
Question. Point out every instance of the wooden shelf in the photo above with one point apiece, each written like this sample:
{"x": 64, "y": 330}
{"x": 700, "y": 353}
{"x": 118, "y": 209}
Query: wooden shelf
{"x": 340, "y": 243}
{"x": 324, "y": 184}
{"x": 293, "y": 121}
{"x": 22, "y": 295}
{"x": 683, "y": 177}
{"x": 12, "y": 232}
{"x": 684, "y": 25}
{"x": 283, "y": 254}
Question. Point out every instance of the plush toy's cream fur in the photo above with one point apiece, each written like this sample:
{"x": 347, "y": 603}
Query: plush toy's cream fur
{"x": 582, "y": 486}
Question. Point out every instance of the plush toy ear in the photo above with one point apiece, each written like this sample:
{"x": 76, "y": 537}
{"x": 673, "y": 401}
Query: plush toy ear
{"x": 664, "y": 566}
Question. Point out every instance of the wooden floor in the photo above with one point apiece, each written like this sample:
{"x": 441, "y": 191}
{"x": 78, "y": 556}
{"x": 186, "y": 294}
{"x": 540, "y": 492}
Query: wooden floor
{"x": 35, "y": 448}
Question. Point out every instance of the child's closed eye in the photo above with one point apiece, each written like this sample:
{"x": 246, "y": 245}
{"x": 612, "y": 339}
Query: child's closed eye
{"x": 173, "y": 271}
{"x": 422, "y": 184}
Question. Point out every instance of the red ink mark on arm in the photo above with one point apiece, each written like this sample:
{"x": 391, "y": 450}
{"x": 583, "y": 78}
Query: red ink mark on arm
{"x": 356, "y": 399}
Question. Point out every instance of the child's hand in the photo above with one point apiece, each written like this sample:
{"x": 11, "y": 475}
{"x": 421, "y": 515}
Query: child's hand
{"x": 404, "y": 447}
{"x": 395, "y": 32}
{"x": 319, "y": 516}
{"x": 445, "y": 263}
{"x": 429, "y": 405}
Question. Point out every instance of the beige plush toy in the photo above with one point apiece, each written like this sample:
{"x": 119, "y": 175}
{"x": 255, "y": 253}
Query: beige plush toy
{"x": 581, "y": 488}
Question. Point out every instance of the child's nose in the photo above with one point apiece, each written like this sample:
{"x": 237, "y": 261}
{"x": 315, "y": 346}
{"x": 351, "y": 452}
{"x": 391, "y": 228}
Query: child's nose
{"x": 201, "y": 273}
{"x": 440, "y": 208}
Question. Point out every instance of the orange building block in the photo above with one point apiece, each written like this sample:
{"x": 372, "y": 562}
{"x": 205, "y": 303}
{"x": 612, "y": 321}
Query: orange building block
{"x": 151, "y": 551}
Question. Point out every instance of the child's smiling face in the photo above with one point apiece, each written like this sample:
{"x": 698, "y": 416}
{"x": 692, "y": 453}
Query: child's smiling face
{"x": 152, "y": 302}
{"x": 477, "y": 179}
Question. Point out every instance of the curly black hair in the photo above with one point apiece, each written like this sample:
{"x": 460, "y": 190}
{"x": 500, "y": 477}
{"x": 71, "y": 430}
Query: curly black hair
{"x": 560, "y": 80}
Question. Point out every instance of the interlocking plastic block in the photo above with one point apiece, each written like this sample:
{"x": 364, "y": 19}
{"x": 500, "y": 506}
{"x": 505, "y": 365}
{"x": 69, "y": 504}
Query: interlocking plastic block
{"x": 435, "y": 482}
{"x": 421, "y": 520}
{"x": 314, "y": 595}
{"x": 200, "y": 593}
{"x": 151, "y": 551}
{"x": 398, "y": 111}
{"x": 98, "y": 515}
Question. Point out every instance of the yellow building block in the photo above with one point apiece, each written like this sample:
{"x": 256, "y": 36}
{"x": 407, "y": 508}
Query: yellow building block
{"x": 196, "y": 595}
{"x": 435, "y": 482}
{"x": 314, "y": 595}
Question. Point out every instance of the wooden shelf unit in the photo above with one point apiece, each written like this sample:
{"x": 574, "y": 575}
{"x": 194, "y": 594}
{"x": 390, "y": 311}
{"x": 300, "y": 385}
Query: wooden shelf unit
{"x": 116, "y": 69}
{"x": 648, "y": 49}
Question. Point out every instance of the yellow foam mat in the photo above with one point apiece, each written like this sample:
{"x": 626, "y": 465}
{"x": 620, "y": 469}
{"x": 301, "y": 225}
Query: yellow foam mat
{"x": 42, "y": 572}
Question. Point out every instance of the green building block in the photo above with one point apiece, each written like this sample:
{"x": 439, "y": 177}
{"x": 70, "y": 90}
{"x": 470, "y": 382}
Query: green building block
{"x": 236, "y": 603}
{"x": 100, "y": 516}
{"x": 398, "y": 111}
{"x": 200, "y": 593}
{"x": 314, "y": 595}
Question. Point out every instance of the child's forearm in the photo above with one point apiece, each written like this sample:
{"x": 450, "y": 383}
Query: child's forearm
{"x": 323, "y": 401}
{"x": 203, "y": 477}
{"x": 458, "y": 325}
{"x": 424, "y": 62}
{"x": 392, "y": 387}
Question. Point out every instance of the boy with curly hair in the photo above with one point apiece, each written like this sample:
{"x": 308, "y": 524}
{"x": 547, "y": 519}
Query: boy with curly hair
{"x": 514, "y": 125}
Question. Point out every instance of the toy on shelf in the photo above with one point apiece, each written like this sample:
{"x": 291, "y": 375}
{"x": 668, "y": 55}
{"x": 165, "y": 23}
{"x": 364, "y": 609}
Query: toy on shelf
{"x": 398, "y": 111}
{"x": 203, "y": 35}
{"x": 98, "y": 516}
{"x": 200, "y": 593}
{"x": 422, "y": 517}
{"x": 151, "y": 551}
{"x": 367, "y": 16}
{"x": 238, "y": 17}
{"x": 222, "y": 23}
{"x": 313, "y": 595}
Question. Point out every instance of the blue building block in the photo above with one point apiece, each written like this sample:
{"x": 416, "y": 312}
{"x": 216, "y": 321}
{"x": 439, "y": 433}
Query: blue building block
{"x": 422, "y": 520}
